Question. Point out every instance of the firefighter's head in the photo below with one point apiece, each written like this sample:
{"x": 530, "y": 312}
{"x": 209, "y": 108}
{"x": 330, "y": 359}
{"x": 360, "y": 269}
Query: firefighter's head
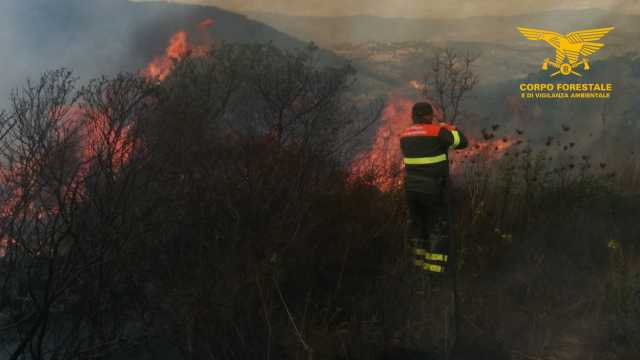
{"x": 422, "y": 113}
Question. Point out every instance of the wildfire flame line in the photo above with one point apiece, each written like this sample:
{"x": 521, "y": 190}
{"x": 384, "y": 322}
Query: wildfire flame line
{"x": 178, "y": 48}
{"x": 96, "y": 133}
{"x": 382, "y": 166}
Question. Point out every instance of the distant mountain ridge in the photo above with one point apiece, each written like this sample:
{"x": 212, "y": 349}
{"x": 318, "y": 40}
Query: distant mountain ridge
{"x": 95, "y": 37}
{"x": 358, "y": 29}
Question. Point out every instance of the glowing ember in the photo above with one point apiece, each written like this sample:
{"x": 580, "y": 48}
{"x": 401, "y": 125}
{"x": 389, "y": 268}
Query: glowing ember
{"x": 490, "y": 150}
{"x": 494, "y": 149}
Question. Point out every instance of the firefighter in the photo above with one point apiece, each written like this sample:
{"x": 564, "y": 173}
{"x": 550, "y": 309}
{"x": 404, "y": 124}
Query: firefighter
{"x": 425, "y": 147}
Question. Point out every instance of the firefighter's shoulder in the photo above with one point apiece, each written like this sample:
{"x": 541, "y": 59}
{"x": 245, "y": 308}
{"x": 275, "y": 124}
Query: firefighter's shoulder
{"x": 449, "y": 127}
{"x": 421, "y": 130}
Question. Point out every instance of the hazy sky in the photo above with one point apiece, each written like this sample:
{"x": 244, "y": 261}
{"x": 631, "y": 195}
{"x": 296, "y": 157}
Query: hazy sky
{"x": 415, "y": 8}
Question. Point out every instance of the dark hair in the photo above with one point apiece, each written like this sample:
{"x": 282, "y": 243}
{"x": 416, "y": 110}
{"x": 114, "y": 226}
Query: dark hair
{"x": 422, "y": 112}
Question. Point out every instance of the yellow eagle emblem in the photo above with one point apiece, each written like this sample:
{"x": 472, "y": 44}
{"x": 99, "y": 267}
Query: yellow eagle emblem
{"x": 569, "y": 46}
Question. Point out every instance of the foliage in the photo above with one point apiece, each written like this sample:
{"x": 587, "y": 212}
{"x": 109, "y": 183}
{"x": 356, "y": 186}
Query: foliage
{"x": 211, "y": 216}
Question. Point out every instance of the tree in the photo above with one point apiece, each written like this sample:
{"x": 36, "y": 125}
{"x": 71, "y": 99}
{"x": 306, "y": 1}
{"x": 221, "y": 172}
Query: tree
{"x": 244, "y": 145}
{"x": 68, "y": 187}
{"x": 172, "y": 215}
{"x": 449, "y": 80}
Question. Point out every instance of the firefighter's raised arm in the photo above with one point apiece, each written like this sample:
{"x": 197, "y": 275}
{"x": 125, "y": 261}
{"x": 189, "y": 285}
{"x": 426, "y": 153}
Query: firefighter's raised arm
{"x": 452, "y": 136}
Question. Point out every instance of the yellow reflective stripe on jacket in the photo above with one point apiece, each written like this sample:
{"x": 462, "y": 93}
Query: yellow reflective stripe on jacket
{"x": 433, "y": 268}
{"x": 456, "y": 139}
{"x": 426, "y": 160}
{"x": 436, "y": 257}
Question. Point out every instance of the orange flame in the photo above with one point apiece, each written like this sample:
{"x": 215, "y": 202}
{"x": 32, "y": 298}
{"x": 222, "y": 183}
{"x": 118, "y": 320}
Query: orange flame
{"x": 96, "y": 135}
{"x": 92, "y": 133}
{"x": 178, "y": 48}
{"x": 382, "y": 165}
{"x": 205, "y": 24}
{"x": 161, "y": 66}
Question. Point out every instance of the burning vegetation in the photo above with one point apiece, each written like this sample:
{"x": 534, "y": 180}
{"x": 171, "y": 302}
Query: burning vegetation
{"x": 382, "y": 164}
{"x": 202, "y": 209}
{"x": 161, "y": 66}
{"x": 178, "y": 48}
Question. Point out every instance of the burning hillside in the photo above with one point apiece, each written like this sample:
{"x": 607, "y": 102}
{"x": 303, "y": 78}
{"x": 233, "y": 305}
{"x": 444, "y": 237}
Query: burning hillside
{"x": 178, "y": 48}
{"x": 382, "y": 165}
{"x": 93, "y": 135}
{"x": 161, "y": 66}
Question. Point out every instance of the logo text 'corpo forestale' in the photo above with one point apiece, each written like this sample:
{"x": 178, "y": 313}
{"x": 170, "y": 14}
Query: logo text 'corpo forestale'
{"x": 572, "y": 52}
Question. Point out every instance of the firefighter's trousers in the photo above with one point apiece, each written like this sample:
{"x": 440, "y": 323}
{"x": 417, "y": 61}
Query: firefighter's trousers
{"x": 429, "y": 228}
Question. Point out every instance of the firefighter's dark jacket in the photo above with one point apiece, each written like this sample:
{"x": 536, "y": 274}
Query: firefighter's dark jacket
{"x": 425, "y": 149}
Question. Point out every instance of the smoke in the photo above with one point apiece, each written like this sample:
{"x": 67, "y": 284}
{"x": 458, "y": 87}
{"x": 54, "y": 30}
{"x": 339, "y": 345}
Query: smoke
{"x": 103, "y": 37}
{"x": 90, "y": 37}
{"x": 39, "y": 35}
{"x": 414, "y": 8}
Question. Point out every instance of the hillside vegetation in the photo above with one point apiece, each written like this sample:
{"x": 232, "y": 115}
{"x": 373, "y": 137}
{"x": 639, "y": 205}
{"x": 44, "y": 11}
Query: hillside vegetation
{"x": 212, "y": 216}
